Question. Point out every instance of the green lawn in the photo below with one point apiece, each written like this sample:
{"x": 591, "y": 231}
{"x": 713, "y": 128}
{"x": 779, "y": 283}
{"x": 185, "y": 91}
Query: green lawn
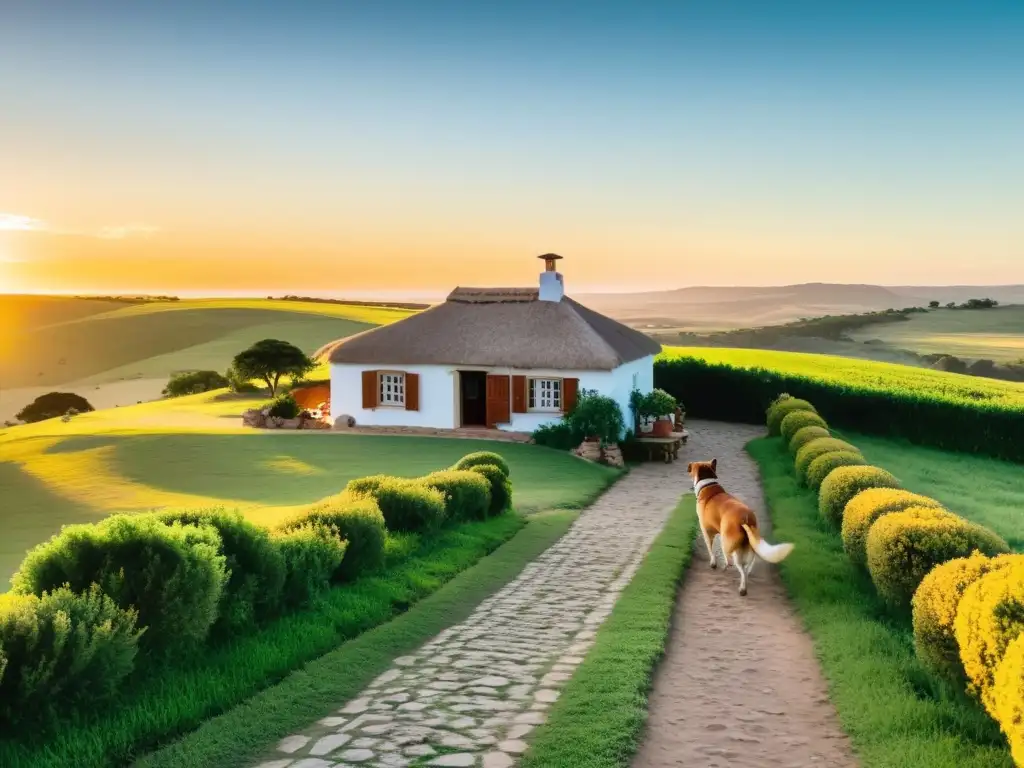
{"x": 153, "y": 456}
{"x": 987, "y": 491}
{"x": 996, "y": 334}
{"x": 896, "y": 714}
{"x": 598, "y": 720}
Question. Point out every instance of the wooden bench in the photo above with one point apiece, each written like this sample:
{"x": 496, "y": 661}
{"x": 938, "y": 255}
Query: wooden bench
{"x": 665, "y": 447}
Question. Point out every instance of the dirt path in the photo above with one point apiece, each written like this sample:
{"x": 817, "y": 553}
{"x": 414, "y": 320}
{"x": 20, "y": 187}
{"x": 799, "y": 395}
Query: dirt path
{"x": 739, "y": 686}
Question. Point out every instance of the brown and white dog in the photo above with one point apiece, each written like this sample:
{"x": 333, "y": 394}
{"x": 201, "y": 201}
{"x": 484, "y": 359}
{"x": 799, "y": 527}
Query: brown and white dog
{"x": 722, "y": 514}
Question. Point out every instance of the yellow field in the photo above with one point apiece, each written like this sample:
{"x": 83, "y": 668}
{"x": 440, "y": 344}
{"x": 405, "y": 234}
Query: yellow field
{"x": 865, "y": 374}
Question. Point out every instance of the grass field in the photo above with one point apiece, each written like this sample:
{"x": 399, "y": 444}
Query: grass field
{"x": 896, "y": 714}
{"x": 193, "y": 452}
{"x": 865, "y": 374}
{"x": 996, "y": 334}
{"x": 598, "y": 719}
{"x": 158, "y": 338}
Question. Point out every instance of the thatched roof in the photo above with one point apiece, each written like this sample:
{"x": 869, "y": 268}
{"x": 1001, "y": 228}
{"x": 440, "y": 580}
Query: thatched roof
{"x": 500, "y": 327}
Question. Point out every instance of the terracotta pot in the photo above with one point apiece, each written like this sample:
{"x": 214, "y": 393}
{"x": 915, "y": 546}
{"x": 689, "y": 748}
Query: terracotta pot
{"x": 662, "y": 428}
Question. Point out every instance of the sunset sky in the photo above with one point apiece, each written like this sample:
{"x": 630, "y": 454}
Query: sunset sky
{"x": 408, "y": 146}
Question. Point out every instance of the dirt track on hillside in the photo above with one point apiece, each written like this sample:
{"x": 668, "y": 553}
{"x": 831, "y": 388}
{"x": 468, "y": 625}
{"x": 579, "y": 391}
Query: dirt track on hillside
{"x": 739, "y": 686}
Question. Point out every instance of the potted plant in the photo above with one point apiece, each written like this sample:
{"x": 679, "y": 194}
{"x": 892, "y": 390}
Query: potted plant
{"x": 658, "y": 406}
{"x": 597, "y": 417}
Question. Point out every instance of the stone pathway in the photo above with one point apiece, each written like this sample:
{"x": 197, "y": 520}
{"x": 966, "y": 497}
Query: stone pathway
{"x": 739, "y": 686}
{"x": 472, "y": 695}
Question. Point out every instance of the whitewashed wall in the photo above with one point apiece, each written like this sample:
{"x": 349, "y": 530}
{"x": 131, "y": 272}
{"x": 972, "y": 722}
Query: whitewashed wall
{"x": 438, "y": 393}
{"x": 437, "y": 396}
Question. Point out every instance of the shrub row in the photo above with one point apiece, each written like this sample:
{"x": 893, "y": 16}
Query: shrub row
{"x": 476, "y": 487}
{"x": 969, "y": 628}
{"x": 728, "y": 393}
{"x": 94, "y": 599}
{"x": 965, "y": 591}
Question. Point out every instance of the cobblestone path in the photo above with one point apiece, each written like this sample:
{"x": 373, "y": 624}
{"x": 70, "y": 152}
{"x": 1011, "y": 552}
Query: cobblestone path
{"x": 472, "y": 695}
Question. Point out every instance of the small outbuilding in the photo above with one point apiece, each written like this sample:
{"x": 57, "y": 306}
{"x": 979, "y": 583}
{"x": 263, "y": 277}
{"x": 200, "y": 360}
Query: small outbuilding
{"x": 505, "y": 358}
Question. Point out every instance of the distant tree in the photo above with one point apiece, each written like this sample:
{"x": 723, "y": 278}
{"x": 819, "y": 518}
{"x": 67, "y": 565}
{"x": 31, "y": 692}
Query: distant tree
{"x": 982, "y": 368}
{"x": 951, "y": 305}
{"x": 53, "y": 404}
{"x": 980, "y": 304}
{"x": 950, "y": 364}
{"x": 933, "y": 304}
{"x": 271, "y": 359}
{"x": 193, "y": 383}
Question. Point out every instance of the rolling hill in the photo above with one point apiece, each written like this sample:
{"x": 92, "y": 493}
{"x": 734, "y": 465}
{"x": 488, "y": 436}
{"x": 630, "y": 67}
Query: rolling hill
{"x": 704, "y": 308}
{"x": 118, "y": 353}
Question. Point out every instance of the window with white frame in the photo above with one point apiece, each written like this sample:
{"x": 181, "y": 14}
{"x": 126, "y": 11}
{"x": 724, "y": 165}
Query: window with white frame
{"x": 545, "y": 394}
{"x": 392, "y": 389}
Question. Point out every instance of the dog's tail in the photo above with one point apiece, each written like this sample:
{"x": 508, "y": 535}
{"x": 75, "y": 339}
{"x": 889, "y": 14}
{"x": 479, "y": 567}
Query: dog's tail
{"x": 773, "y": 553}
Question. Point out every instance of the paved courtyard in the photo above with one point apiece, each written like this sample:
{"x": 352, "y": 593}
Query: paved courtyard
{"x": 473, "y": 694}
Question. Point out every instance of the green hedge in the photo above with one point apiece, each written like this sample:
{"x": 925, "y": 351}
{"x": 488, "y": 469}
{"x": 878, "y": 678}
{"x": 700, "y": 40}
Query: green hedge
{"x": 409, "y": 505}
{"x": 483, "y": 458}
{"x": 501, "y": 487}
{"x": 312, "y": 554}
{"x": 255, "y": 568}
{"x": 725, "y": 393}
{"x": 62, "y": 650}
{"x": 173, "y": 575}
{"x": 467, "y": 494}
{"x": 358, "y": 522}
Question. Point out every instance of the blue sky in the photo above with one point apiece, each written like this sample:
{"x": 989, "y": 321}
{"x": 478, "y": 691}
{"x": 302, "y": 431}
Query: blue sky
{"x": 778, "y": 141}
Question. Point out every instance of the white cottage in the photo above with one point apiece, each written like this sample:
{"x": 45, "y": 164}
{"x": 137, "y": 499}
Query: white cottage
{"x": 506, "y": 358}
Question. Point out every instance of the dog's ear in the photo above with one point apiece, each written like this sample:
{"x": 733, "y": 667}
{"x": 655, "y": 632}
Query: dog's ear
{"x": 689, "y": 468}
{"x": 714, "y": 464}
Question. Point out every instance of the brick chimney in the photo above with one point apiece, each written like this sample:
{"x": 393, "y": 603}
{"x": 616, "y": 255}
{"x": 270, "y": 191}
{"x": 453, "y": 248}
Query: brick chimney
{"x": 552, "y": 287}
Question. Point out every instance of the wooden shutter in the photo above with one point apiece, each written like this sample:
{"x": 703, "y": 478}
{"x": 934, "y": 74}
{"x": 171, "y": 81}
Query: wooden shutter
{"x": 569, "y": 388}
{"x": 412, "y": 391}
{"x": 519, "y": 398}
{"x": 498, "y": 400}
{"x": 371, "y": 389}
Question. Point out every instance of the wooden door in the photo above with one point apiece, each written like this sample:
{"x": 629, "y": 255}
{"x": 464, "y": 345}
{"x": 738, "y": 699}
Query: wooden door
{"x": 498, "y": 395}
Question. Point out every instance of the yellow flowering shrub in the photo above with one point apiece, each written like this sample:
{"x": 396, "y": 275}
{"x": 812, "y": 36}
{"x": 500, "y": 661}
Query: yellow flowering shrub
{"x": 805, "y": 435}
{"x": 843, "y": 483}
{"x": 990, "y": 616}
{"x": 934, "y": 607}
{"x": 822, "y": 466}
{"x": 1009, "y": 697}
{"x": 794, "y": 421}
{"x": 782, "y": 407}
{"x": 904, "y": 546}
{"x": 866, "y": 507}
{"x": 816, "y": 448}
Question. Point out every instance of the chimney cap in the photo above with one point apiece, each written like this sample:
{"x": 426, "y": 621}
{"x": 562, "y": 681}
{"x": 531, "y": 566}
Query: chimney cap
{"x": 549, "y": 261}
